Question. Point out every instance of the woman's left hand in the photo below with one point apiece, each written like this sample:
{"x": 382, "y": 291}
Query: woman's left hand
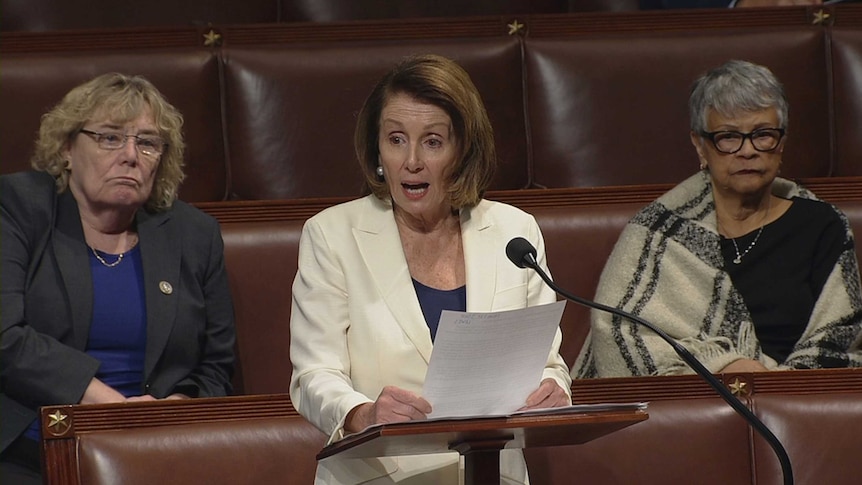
{"x": 548, "y": 395}
{"x": 147, "y": 397}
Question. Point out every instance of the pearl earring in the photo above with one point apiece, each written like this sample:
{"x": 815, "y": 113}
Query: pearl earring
{"x": 379, "y": 170}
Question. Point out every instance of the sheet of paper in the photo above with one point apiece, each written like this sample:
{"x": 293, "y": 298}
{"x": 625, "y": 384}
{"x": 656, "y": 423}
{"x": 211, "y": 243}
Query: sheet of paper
{"x": 488, "y": 363}
{"x": 573, "y": 409}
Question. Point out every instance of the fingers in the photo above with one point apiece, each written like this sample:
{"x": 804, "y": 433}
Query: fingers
{"x": 744, "y": 365}
{"x": 395, "y": 405}
{"x": 548, "y": 395}
{"x": 147, "y": 397}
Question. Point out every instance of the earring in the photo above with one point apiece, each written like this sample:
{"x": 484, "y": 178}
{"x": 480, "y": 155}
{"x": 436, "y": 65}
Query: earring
{"x": 379, "y": 170}
{"x": 702, "y": 165}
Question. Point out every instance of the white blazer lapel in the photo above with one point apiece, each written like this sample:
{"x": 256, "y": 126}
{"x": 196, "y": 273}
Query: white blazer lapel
{"x": 380, "y": 245}
{"x": 480, "y": 258}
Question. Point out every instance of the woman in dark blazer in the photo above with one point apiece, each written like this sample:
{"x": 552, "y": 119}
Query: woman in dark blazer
{"x": 112, "y": 290}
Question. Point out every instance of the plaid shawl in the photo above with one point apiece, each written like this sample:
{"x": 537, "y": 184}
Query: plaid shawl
{"x": 667, "y": 268}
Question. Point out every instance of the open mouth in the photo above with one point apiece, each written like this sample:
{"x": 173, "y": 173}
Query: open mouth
{"x": 415, "y": 189}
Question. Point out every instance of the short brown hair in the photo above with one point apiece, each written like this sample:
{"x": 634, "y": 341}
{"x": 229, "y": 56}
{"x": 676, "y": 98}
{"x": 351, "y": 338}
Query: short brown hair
{"x": 122, "y": 98}
{"x": 441, "y": 82}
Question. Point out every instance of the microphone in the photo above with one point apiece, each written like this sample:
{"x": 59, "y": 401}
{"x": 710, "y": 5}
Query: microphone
{"x": 523, "y": 255}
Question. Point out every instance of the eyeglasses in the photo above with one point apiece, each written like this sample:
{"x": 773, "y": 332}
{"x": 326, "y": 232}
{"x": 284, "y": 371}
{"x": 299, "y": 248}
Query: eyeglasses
{"x": 151, "y": 146}
{"x": 729, "y": 142}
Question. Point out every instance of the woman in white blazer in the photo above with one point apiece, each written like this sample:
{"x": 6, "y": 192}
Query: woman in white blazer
{"x": 375, "y": 273}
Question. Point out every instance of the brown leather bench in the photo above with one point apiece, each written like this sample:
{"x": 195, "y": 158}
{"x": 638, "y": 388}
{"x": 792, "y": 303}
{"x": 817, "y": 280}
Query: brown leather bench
{"x": 249, "y": 440}
{"x": 577, "y": 100}
{"x": 580, "y": 227}
{"x": 693, "y": 437}
{"x": 247, "y": 451}
{"x": 23, "y": 15}
{"x": 690, "y": 432}
{"x": 690, "y": 437}
{"x": 575, "y": 105}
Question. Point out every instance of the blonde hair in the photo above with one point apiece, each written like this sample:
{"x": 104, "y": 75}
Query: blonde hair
{"x": 120, "y": 98}
{"x": 443, "y": 83}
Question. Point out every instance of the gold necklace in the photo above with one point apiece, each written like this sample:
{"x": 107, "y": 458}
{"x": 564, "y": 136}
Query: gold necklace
{"x": 102, "y": 260}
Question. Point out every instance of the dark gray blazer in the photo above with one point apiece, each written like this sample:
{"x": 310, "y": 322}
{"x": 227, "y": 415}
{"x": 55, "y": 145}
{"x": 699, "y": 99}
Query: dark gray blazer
{"x": 47, "y": 298}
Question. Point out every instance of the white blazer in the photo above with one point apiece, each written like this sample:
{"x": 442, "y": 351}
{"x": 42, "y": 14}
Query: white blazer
{"x": 356, "y": 324}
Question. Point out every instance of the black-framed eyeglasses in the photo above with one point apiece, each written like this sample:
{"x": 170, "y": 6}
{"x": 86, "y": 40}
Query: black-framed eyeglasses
{"x": 729, "y": 142}
{"x": 151, "y": 146}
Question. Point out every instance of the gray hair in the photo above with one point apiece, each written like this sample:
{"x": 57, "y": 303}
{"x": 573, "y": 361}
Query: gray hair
{"x": 734, "y": 87}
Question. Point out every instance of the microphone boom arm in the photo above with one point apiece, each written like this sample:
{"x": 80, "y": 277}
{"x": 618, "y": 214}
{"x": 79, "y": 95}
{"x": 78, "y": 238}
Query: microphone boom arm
{"x": 755, "y": 422}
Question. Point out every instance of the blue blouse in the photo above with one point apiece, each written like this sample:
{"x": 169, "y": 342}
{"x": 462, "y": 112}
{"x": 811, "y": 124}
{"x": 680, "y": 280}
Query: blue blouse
{"x": 118, "y": 330}
{"x": 434, "y": 301}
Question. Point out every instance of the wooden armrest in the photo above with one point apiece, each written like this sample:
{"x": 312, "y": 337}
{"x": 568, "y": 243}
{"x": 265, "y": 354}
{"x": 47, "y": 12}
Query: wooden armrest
{"x": 190, "y": 441}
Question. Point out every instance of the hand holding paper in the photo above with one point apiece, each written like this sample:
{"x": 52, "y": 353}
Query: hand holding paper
{"x": 548, "y": 395}
{"x": 393, "y": 405}
{"x": 489, "y": 363}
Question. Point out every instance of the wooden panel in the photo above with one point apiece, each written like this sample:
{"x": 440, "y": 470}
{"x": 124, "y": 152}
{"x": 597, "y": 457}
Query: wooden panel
{"x": 834, "y": 190}
{"x": 655, "y": 388}
{"x": 541, "y": 25}
{"x": 96, "y": 417}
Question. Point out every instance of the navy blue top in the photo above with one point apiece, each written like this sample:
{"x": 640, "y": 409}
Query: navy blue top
{"x": 434, "y": 301}
{"x": 118, "y": 331}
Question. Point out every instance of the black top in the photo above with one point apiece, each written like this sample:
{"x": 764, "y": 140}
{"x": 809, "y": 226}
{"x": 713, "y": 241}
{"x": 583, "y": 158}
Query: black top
{"x": 781, "y": 277}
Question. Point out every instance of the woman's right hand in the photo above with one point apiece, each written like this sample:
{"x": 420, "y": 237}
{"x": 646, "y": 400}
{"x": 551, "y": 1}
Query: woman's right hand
{"x": 393, "y": 405}
{"x": 100, "y": 393}
{"x": 744, "y": 365}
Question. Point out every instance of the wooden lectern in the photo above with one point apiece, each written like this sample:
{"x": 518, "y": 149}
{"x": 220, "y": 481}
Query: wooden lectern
{"x": 480, "y": 440}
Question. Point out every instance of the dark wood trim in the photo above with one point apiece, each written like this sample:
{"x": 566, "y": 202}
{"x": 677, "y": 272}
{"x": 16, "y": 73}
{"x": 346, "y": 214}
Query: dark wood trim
{"x": 98, "y": 417}
{"x": 834, "y": 189}
{"x": 101, "y": 40}
{"x": 657, "y": 388}
{"x": 536, "y": 26}
{"x": 667, "y": 21}
{"x": 367, "y": 30}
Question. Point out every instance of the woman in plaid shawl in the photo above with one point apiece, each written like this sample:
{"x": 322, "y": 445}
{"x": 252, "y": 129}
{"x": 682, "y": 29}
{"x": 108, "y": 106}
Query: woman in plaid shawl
{"x": 748, "y": 271}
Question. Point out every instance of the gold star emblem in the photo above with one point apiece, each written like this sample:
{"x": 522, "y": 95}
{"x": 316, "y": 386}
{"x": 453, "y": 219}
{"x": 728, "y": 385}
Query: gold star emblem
{"x": 738, "y": 387}
{"x": 212, "y": 38}
{"x": 57, "y": 423}
{"x": 515, "y": 27}
{"x": 820, "y": 17}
